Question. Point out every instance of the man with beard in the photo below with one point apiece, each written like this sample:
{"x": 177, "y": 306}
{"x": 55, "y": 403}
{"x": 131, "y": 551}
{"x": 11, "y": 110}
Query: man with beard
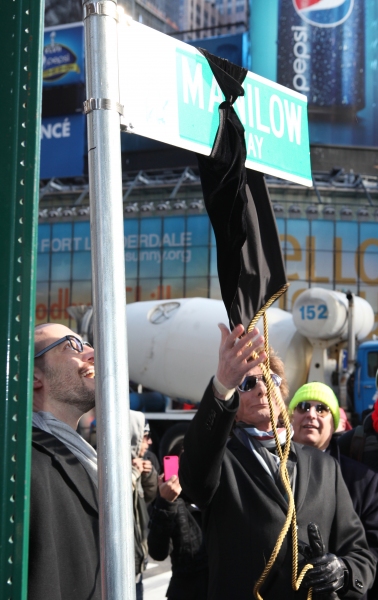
{"x": 64, "y": 558}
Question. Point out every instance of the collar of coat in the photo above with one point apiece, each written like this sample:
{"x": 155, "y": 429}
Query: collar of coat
{"x": 67, "y": 464}
{"x": 256, "y": 471}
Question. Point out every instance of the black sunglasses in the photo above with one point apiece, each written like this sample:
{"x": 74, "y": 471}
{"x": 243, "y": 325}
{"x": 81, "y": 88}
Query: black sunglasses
{"x": 75, "y": 343}
{"x": 304, "y": 407}
{"x": 250, "y": 382}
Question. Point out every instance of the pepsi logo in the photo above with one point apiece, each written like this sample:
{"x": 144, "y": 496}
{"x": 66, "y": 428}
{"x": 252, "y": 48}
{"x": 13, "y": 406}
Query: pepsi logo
{"x": 324, "y": 13}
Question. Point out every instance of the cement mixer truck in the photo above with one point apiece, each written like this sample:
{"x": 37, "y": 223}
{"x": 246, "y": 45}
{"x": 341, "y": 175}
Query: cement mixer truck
{"x": 173, "y": 352}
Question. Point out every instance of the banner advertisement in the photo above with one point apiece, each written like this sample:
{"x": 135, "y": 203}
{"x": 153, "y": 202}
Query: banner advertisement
{"x": 175, "y": 257}
{"x": 165, "y": 258}
{"x": 63, "y": 55}
{"x": 328, "y": 51}
{"x": 63, "y": 146}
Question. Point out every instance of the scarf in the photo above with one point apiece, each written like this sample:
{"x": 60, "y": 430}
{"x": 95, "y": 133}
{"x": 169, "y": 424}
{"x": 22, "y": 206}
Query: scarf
{"x": 265, "y": 438}
{"x": 83, "y": 451}
{"x": 261, "y": 444}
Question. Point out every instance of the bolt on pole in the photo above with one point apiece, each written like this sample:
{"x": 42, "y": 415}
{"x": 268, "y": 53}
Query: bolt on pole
{"x": 109, "y": 301}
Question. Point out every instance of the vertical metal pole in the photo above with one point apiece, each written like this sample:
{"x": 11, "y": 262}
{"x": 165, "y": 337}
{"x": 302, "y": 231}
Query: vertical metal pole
{"x": 21, "y": 41}
{"x": 109, "y": 301}
{"x": 351, "y": 334}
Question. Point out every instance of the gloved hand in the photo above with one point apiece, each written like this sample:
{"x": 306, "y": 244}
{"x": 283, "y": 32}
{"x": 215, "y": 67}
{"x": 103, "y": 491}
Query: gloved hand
{"x": 329, "y": 572}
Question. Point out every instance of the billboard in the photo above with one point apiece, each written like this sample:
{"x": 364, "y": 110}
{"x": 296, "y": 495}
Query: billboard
{"x": 63, "y": 55}
{"x": 166, "y": 257}
{"x": 175, "y": 257}
{"x": 63, "y": 146}
{"x": 328, "y": 51}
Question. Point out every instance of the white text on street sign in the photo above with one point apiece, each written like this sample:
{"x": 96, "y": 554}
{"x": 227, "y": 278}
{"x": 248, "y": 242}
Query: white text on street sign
{"x": 170, "y": 94}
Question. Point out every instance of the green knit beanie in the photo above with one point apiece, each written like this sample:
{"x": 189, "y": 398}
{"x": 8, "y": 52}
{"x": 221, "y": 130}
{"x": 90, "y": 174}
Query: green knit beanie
{"x": 317, "y": 392}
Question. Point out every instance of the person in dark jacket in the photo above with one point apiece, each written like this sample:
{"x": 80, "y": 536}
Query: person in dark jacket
{"x": 64, "y": 557}
{"x": 64, "y": 545}
{"x": 144, "y": 486}
{"x": 361, "y": 442}
{"x": 176, "y": 530}
{"x": 236, "y": 483}
{"x": 315, "y": 418}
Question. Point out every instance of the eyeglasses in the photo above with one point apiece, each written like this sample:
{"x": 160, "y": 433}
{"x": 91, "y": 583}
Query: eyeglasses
{"x": 304, "y": 407}
{"x": 250, "y": 382}
{"x": 75, "y": 343}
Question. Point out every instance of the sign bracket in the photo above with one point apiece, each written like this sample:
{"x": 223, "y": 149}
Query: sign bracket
{"x": 102, "y": 104}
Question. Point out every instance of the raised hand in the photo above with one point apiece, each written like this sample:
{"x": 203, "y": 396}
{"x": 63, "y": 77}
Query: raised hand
{"x": 235, "y": 355}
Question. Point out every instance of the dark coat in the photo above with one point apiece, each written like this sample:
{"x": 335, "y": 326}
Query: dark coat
{"x": 362, "y": 484}
{"x": 244, "y": 510}
{"x": 367, "y": 451}
{"x": 175, "y": 529}
{"x": 64, "y": 558}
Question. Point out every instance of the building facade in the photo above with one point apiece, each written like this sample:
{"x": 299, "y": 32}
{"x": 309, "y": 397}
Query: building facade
{"x": 329, "y": 238}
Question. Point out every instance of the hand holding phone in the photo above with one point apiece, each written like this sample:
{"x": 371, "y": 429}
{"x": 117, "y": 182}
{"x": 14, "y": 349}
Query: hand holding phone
{"x": 169, "y": 490}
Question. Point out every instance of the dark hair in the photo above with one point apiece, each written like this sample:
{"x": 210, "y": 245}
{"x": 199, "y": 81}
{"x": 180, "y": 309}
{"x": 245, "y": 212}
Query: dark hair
{"x": 38, "y": 346}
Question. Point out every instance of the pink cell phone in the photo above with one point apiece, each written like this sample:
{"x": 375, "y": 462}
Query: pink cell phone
{"x": 171, "y": 466}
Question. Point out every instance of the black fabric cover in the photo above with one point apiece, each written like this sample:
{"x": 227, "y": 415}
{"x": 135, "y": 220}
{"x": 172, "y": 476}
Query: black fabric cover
{"x": 250, "y": 262}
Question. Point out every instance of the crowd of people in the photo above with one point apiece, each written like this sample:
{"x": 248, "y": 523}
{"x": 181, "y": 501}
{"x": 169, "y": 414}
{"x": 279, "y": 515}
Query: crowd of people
{"x": 223, "y": 520}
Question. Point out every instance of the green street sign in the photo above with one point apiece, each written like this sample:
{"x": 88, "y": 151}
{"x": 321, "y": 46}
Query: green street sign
{"x": 170, "y": 94}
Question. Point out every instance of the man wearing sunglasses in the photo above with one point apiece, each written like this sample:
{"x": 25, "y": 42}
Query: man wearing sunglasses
{"x": 315, "y": 416}
{"x": 235, "y": 481}
{"x": 64, "y": 532}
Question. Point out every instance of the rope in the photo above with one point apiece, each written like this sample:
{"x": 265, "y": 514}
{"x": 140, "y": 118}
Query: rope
{"x": 291, "y": 518}
{"x": 266, "y": 306}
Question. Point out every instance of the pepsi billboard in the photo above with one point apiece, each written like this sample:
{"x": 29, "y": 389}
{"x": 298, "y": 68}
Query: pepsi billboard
{"x": 327, "y": 50}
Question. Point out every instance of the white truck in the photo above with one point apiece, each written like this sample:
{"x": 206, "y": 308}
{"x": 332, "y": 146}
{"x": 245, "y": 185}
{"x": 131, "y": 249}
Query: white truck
{"x": 173, "y": 351}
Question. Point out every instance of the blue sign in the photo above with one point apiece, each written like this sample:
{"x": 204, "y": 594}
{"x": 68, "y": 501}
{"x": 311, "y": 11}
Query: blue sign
{"x": 63, "y": 146}
{"x": 63, "y": 55}
{"x": 175, "y": 256}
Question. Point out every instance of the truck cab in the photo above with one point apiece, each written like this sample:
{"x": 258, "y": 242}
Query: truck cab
{"x": 365, "y": 376}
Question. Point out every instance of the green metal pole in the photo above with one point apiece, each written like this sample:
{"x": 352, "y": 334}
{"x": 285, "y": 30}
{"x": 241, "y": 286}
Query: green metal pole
{"x": 21, "y": 38}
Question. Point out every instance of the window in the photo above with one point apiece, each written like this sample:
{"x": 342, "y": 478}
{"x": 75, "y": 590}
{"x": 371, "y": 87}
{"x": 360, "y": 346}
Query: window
{"x": 372, "y": 364}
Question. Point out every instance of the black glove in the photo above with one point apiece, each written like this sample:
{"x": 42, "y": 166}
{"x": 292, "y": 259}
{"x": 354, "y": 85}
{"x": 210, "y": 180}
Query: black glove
{"x": 329, "y": 572}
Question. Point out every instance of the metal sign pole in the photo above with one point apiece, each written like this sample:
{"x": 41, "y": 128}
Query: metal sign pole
{"x": 21, "y": 41}
{"x": 109, "y": 301}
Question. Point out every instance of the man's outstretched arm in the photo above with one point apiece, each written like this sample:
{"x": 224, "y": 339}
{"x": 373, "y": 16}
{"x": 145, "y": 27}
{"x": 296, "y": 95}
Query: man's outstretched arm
{"x": 205, "y": 441}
